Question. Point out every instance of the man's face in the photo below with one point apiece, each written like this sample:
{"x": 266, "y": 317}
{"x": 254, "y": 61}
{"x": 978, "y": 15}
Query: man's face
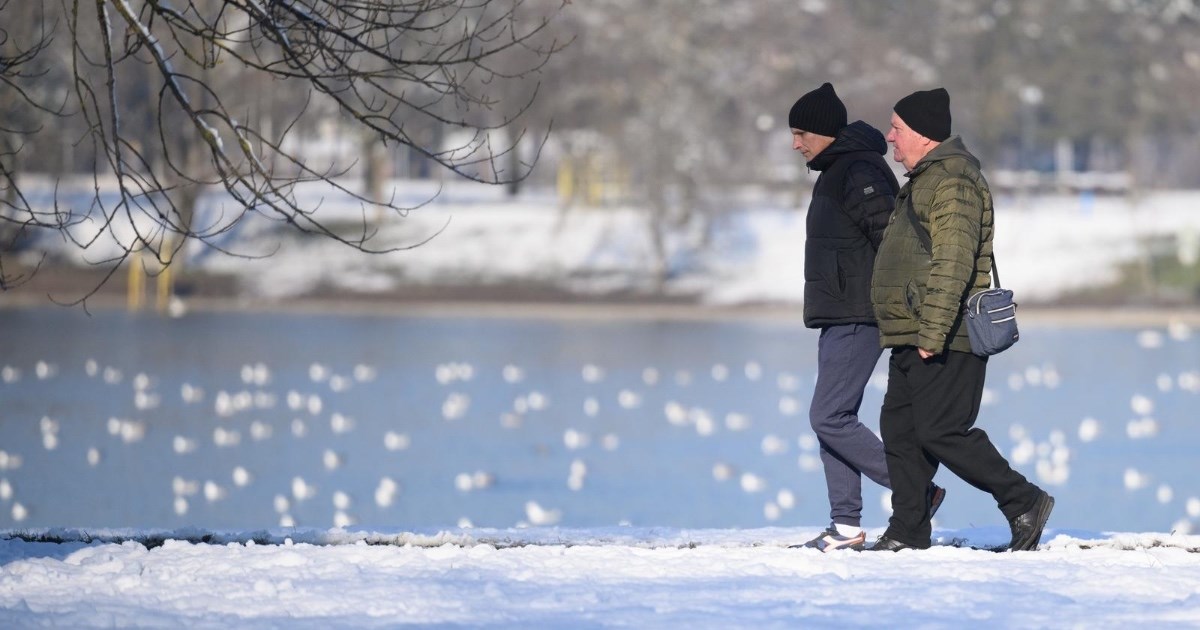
{"x": 908, "y": 146}
{"x": 809, "y": 143}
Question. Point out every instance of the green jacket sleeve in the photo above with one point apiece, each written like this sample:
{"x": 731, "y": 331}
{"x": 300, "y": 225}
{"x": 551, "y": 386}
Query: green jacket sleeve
{"x": 955, "y": 220}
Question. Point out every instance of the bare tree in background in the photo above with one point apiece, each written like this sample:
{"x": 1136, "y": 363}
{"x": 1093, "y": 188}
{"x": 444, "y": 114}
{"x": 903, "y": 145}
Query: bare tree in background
{"x": 691, "y": 94}
{"x": 194, "y": 69}
{"x": 20, "y": 106}
{"x": 1108, "y": 77}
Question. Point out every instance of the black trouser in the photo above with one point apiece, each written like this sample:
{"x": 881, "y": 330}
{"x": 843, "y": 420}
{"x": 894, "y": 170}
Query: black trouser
{"x": 927, "y": 419}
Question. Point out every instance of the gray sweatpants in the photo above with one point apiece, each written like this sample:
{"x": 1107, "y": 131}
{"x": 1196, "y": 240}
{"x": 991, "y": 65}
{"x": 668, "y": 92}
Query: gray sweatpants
{"x": 846, "y": 357}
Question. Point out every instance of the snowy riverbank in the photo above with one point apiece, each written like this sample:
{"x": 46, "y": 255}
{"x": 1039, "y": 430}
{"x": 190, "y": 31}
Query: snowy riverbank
{"x": 612, "y": 577}
{"x": 484, "y": 244}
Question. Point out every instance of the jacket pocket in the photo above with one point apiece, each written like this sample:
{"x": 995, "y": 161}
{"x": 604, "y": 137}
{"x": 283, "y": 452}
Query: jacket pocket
{"x": 854, "y": 273}
{"x": 827, "y": 274}
{"x": 840, "y": 274}
{"x": 913, "y": 298}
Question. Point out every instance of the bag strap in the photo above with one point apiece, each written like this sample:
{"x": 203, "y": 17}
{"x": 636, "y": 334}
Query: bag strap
{"x": 923, "y": 234}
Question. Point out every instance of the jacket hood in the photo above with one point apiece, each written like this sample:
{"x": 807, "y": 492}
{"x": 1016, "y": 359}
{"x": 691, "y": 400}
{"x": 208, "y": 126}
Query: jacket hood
{"x": 952, "y": 147}
{"x": 853, "y": 138}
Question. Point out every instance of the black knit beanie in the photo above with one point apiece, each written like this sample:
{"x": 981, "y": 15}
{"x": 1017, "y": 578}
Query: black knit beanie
{"x": 927, "y": 113}
{"x": 820, "y": 112}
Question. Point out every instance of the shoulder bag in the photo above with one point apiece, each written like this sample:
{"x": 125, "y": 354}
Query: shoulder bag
{"x": 990, "y": 314}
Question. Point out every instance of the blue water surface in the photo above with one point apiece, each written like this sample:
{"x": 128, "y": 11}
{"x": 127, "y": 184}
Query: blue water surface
{"x": 529, "y": 404}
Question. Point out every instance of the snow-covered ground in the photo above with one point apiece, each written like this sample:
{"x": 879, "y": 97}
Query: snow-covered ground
{"x": 620, "y": 577}
{"x": 1045, "y": 245}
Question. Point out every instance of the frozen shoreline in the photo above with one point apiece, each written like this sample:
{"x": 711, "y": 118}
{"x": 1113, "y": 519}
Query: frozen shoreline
{"x": 622, "y": 577}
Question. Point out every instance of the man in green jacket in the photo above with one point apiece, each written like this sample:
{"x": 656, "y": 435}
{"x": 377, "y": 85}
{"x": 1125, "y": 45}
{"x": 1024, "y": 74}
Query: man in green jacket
{"x": 936, "y": 251}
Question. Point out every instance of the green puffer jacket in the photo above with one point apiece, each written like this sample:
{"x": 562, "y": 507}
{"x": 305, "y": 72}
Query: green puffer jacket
{"x": 918, "y": 297}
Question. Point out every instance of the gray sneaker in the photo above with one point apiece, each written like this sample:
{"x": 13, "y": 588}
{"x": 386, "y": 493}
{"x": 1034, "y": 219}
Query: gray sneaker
{"x": 831, "y": 540}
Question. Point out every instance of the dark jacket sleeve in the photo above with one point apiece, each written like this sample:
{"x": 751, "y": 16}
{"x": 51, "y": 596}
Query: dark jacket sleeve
{"x": 868, "y": 198}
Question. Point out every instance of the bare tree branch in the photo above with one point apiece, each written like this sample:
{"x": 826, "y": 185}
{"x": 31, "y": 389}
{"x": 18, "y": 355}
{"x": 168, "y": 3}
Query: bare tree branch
{"x": 194, "y": 67}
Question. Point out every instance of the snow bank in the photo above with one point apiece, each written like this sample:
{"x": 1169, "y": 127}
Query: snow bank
{"x": 644, "y": 578}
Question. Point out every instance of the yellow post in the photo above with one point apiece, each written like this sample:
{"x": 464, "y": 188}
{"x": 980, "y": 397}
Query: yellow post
{"x": 136, "y": 290}
{"x": 566, "y": 181}
{"x": 165, "y": 282}
{"x": 165, "y": 288}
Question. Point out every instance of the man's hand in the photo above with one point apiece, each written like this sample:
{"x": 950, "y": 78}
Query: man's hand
{"x": 925, "y": 354}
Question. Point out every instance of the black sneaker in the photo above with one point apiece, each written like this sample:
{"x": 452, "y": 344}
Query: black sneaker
{"x": 1027, "y": 528}
{"x": 831, "y": 540}
{"x": 883, "y": 543}
{"x": 934, "y": 495}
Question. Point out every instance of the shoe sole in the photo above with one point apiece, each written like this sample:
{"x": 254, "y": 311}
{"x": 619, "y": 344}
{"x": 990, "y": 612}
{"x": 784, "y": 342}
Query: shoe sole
{"x": 827, "y": 542}
{"x": 852, "y": 546}
{"x": 831, "y": 547}
{"x": 1045, "y": 506}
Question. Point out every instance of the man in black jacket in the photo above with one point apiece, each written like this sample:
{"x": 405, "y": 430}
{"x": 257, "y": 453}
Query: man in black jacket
{"x": 851, "y": 203}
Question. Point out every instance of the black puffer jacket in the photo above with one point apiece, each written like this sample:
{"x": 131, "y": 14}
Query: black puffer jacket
{"x": 850, "y": 206}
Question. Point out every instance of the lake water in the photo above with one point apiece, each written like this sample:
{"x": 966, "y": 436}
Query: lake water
{"x": 255, "y": 420}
